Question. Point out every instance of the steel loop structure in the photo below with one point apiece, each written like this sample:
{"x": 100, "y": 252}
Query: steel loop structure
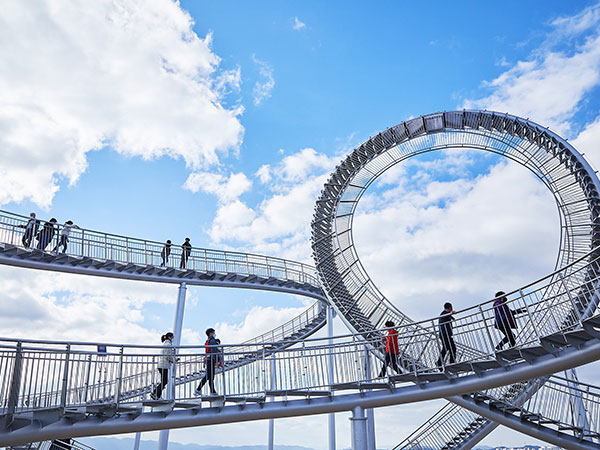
{"x": 570, "y": 179}
{"x": 52, "y": 389}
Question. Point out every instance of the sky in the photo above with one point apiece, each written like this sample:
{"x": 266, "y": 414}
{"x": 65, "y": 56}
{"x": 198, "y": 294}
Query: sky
{"x": 220, "y": 121}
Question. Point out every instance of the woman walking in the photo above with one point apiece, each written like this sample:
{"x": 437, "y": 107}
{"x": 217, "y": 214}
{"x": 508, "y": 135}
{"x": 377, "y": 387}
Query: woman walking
{"x": 164, "y": 364}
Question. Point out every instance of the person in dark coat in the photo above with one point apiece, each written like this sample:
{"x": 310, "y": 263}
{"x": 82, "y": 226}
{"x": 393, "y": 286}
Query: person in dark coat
{"x": 391, "y": 349}
{"x": 164, "y": 253}
{"x": 504, "y": 320}
{"x": 46, "y": 234}
{"x": 186, "y": 250}
{"x": 212, "y": 359}
{"x": 31, "y": 230}
{"x": 446, "y": 335}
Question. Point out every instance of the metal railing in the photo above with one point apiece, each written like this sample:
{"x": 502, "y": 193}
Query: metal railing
{"x": 38, "y": 374}
{"x": 98, "y": 384}
{"x": 128, "y": 250}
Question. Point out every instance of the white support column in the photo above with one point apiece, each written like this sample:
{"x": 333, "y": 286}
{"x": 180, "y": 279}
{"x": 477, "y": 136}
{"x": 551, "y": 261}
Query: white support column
{"x": 359, "y": 429}
{"x": 136, "y": 443}
{"x": 370, "y": 413}
{"x": 163, "y": 437}
{"x": 580, "y": 417}
{"x": 331, "y": 423}
{"x": 272, "y": 421}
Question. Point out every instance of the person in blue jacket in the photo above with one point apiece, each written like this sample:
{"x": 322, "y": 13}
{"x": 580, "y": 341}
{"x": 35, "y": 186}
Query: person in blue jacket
{"x": 211, "y": 361}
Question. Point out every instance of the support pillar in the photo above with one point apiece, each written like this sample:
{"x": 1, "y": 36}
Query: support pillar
{"x": 163, "y": 437}
{"x": 359, "y": 429}
{"x": 580, "y": 416}
{"x": 136, "y": 443}
{"x": 331, "y": 422}
{"x": 369, "y": 411}
{"x": 272, "y": 421}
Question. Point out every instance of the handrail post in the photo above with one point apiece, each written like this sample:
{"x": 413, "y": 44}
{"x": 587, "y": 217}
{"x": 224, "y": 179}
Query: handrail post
{"x": 119, "y": 377}
{"x": 15, "y": 385}
{"x": 533, "y": 324}
{"x": 87, "y": 378}
{"x": 575, "y": 309}
{"x": 486, "y": 326}
{"x": 65, "y": 380}
{"x": 82, "y": 242}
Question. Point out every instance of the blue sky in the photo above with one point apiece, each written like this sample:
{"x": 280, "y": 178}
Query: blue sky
{"x": 221, "y": 120}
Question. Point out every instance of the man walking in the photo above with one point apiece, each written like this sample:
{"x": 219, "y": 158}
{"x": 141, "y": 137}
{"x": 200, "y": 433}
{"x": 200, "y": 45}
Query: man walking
{"x": 212, "y": 357}
{"x": 445, "y": 333}
{"x": 186, "y": 250}
{"x": 31, "y": 230}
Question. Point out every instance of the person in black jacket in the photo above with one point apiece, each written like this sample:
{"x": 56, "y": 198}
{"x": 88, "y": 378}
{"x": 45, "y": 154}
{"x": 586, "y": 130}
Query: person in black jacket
{"x": 165, "y": 252}
{"x": 504, "y": 320}
{"x": 212, "y": 358}
{"x": 445, "y": 333}
{"x": 46, "y": 234}
{"x": 31, "y": 230}
{"x": 186, "y": 250}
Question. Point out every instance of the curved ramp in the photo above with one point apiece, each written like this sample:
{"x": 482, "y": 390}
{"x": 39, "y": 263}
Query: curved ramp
{"x": 108, "y": 255}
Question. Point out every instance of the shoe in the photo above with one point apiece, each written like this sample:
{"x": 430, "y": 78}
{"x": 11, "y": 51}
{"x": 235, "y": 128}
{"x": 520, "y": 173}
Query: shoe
{"x": 198, "y": 393}
{"x": 214, "y": 393}
{"x": 153, "y": 396}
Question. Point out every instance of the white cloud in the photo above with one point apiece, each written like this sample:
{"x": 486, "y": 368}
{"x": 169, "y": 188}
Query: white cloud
{"x": 458, "y": 240}
{"x": 262, "y": 89}
{"x": 264, "y": 173}
{"x": 550, "y": 86}
{"x": 46, "y": 305}
{"x": 77, "y": 77}
{"x": 280, "y": 224}
{"x": 297, "y": 24}
{"x": 587, "y": 142}
{"x": 226, "y": 189}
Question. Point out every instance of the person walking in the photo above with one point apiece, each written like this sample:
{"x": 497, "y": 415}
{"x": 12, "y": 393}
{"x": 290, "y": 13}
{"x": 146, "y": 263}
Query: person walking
{"x": 31, "y": 229}
{"x": 64, "y": 236}
{"x": 504, "y": 320}
{"x": 186, "y": 250}
{"x": 391, "y": 349}
{"x": 164, "y": 253}
{"x": 210, "y": 361}
{"x": 445, "y": 334}
{"x": 167, "y": 358}
{"x": 46, "y": 234}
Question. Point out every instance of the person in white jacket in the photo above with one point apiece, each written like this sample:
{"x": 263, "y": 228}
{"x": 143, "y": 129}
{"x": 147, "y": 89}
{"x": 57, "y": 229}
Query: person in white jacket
{"x": 167, "y": 358}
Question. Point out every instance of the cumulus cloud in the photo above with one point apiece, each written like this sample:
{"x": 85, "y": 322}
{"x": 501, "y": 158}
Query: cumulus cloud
{"x": 226, "y": 189}
{"x": 280, "y": 224}
{"x": 76, "y": 307}
{"x": 77, "y": 77}
{"x": 297, "y": 24}
{"x": 550, "y": 86}
{"x": 262, "y": 89}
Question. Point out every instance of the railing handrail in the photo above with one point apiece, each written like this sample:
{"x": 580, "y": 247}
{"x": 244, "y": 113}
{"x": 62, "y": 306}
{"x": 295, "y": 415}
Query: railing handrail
{"x": 425, "y": 323}
{"x": 158, "y": 243}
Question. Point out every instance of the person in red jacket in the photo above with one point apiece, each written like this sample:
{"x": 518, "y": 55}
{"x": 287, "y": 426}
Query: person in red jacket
{"x": 391, "y": 349}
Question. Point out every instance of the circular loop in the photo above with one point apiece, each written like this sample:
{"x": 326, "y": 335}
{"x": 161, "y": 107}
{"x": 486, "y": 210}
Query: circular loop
{"x": 549, "y": 157}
